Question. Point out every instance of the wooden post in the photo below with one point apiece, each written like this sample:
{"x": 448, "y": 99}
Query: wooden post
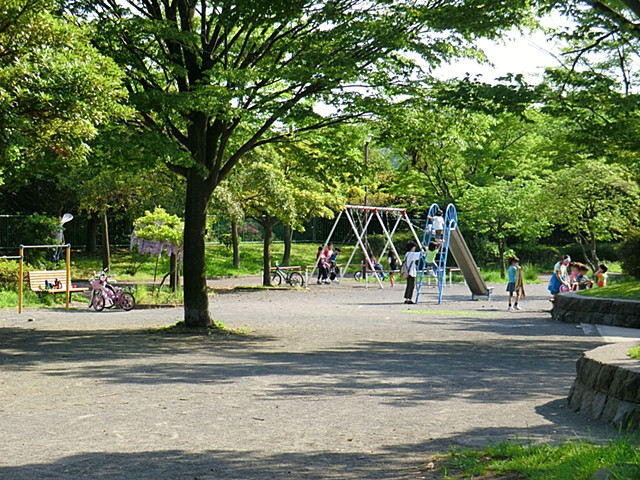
{"x": 68, "y": 274}
{"x": 106, "y": 252}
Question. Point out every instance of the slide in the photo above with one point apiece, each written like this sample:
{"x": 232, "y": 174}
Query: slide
{"x": 467, "y": 265}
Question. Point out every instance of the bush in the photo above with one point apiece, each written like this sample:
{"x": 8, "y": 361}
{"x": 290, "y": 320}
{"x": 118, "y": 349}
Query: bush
{"x": 537, "y": 254}
{"x": 628, "y": 252}
{"x": 9, "y": 275}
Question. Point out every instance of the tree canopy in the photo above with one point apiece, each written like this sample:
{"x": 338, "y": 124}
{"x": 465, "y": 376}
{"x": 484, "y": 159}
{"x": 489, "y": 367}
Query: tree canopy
{"x": 221, "y": 78}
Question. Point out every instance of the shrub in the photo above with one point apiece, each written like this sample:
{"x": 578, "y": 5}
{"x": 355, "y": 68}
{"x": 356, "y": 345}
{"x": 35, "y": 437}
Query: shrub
{"x": 628, "y": 252}
{"x": 9, "y": 275}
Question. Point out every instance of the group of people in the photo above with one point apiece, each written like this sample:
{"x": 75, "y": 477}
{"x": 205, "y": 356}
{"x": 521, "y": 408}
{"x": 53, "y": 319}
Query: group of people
{"x": 326, "y": 260}
{"x": 574, "y": 276}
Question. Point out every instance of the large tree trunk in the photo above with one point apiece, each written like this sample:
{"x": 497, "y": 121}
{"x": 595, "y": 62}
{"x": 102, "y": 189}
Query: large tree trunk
{"x": 196, "y": 300}
{"x": 235, "y": 241}
{"x": 92, "y": 230}
{"x": 106, "y": 248}
{"x": 287, "y": 237}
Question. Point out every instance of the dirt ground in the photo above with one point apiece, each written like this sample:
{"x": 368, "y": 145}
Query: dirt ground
{"x": 330, "y": 382}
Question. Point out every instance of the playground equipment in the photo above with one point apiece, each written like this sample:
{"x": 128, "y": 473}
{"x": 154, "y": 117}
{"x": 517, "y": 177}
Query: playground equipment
{"x": 452, "y": 240}
{"x": 359, "y": 228}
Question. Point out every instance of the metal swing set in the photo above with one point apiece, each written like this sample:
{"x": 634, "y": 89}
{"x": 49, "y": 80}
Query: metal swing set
{"x": 359, "y": 228}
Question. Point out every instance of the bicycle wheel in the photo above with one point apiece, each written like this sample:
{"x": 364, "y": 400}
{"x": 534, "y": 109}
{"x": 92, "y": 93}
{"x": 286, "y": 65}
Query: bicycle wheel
{"x": 276, "y": 279}
{"x": 358, "y": 275}
{"x": 127, "y": 301}
{"x": 98, "y": 301}
{"x": 296, "y": 279}
{"x": 94, "y": 294}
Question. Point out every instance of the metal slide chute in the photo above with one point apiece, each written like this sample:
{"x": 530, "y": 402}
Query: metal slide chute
{"x": 467, "y": 266}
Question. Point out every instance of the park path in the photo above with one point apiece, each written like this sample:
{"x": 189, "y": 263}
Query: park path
{"x": 332, "y": 382}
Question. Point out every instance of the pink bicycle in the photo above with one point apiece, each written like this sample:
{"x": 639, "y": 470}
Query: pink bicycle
{"x": 105, "y": 294}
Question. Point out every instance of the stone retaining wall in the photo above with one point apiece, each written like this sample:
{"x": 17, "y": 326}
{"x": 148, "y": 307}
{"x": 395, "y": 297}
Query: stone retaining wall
{"x": 607, "y": 386}
{"x": 574, "y": 308}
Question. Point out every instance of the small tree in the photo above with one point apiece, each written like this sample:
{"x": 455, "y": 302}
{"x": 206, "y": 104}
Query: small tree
{"x": 504, "y": 210}
{"x": 157, "y": 232}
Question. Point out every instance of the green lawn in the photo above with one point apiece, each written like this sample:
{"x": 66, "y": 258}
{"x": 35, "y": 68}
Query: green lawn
{"x": 629, "y": 290}
{"x": 219, "y": 261}
{"x": 571, "y": 460}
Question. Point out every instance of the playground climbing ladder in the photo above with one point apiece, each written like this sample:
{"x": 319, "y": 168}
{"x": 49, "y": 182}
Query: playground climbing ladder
{"x": 453, "y": 241}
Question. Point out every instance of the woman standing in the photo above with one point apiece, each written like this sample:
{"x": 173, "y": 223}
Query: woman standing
{"x": 559, "y": 279}
{"x": 411, "y": 259}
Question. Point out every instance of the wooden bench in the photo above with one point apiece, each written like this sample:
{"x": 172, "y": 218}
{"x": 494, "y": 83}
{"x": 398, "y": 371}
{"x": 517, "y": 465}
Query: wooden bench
{"x": 37, "y": 280}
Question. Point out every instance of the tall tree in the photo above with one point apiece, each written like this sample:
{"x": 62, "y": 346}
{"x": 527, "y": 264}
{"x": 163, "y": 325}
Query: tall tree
{"x": 54, "y": 87}
{"x": 218, "y": 76}
{"x": 55, "y": 91}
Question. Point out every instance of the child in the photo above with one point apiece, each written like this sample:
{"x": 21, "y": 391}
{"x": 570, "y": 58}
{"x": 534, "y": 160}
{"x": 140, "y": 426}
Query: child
{"x": 601, "y": 275}
{"x": 392, "y": 260}
{"x": 334, "y": 270}
{"x": 583, "y": 278}
{"x": 430, "y": 259}
{"x": 515, "y": 282}
{"x": 438, "y": 225}
{"x": 377, "y": 267}
{"x": 574, "y": 272}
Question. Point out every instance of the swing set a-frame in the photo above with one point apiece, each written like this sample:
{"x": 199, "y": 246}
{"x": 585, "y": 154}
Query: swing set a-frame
{"x": 359, "y": 228}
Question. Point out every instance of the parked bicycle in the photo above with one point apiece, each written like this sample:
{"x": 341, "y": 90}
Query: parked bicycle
{"x": 105, "y": 294}
{"x": 295, "y": 279}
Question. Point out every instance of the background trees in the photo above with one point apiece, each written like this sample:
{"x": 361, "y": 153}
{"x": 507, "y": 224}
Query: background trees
{"x": 274, "y": 100}
{"x": 55, "y": 90}
{"x": 219, "y": 78}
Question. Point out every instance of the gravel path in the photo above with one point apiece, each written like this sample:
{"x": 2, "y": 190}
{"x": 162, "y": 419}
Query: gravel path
{"x": 333, "y": 382}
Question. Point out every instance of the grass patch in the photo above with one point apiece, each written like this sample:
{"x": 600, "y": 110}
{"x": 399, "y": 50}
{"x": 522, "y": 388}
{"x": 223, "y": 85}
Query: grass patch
{"x": 625, "y": 290}
{"x": 9, "y": 299}
{"x": 217, "y": 328}
{"x": 146, "y": 295}
{"x": 128, "y": 265}
{"x": 634, "y": 352}
{"x": 575, "y": 460}
{"x": 457, "y": 313}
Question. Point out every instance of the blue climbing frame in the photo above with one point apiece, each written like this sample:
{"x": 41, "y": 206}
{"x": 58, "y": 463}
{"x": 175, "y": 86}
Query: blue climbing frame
{"x": 450, "y": 222}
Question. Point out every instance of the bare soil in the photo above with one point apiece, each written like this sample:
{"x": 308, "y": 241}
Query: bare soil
{"x": 330, "y": 382}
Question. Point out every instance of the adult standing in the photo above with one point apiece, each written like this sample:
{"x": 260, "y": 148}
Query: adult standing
{"x": 411, "y": 259}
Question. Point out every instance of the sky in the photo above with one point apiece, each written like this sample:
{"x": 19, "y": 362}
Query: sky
{"x": 515, "y": 53}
